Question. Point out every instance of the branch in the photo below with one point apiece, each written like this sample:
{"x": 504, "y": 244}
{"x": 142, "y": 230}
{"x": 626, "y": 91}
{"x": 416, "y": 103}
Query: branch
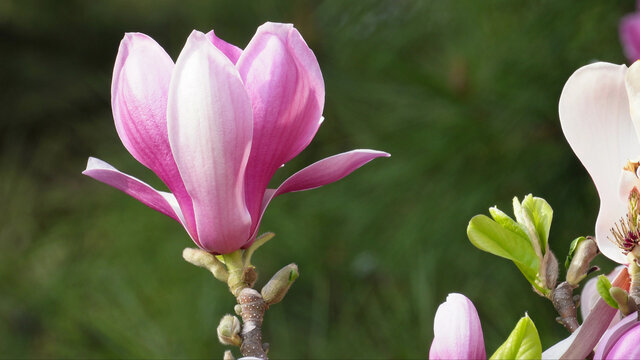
{"x": 562, "y": 299}
{"x": 252, "y": 308}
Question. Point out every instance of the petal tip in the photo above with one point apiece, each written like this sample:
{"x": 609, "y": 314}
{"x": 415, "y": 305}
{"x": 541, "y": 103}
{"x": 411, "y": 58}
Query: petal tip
{"x": 198, "y": 34}
{"x": 91, "y": 164}
{"x": 276, "y": 27}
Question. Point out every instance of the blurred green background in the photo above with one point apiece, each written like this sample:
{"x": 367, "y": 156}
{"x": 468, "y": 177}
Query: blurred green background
{"x": 463, "y": 95}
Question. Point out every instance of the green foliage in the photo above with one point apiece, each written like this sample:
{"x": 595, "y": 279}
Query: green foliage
{"x": 603, "y": 286}
{"x": 513, "y": 240}
{"x": 492, "y": 237}
{"x": 540, "y": 213}
{"x": 508, "y": 223}
{"x": 522, "y": 343}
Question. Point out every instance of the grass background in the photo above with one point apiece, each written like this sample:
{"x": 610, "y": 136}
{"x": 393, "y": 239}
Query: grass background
{"x": 462, "y": 94}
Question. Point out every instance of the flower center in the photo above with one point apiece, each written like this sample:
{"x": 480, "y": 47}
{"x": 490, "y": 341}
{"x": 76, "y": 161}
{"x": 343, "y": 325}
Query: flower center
{"x": 626, "y": 232}
{"x": 625, "y": 236}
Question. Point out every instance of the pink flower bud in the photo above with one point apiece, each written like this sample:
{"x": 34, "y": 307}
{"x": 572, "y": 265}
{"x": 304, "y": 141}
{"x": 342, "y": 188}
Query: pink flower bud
{"x": 457, "y": 331}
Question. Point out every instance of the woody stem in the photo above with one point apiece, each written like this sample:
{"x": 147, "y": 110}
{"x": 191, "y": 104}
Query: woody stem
{"x": 252, "y": 312}
{"x": 562, "y": 299}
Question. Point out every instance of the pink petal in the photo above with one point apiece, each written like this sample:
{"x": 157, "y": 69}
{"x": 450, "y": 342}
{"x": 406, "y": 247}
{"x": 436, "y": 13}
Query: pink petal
{"x": 630, "y": 36}
{"x": 594, "y": 114}
{"x": 595, "y": 324}
{"x": 590, "y": 296}
{"x": 139, "y": 92}
{"x": 231, "y": 51}
{"x": 621, "y": 341}
{"x": 160, "y": 201}
{"x": 284, "y": 82}
{"x": 321, "y": 173}
{"x": 209, "y": 120}
{"x": 457, "y": 330}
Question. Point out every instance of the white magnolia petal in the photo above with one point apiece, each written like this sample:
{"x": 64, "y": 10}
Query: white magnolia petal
{"x": 594, "y": 115}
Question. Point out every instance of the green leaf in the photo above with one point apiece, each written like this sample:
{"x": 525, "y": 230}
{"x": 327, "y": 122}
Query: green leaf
{"x": 522, "y": 343}
{"x": 572, "y": 249}
{"x": 492, "y": 237}
{"x": 541, "y": 214}
{"x": 507, "y": 222}
{"x": 603, "y": 285}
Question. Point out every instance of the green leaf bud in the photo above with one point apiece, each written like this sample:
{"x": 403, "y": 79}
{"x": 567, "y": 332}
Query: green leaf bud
{"x": 275, "y": 290}
{"x": 229, "y": 330}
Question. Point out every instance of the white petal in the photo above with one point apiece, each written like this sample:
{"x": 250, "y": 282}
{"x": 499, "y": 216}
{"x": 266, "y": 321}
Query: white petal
{"x": 594, "y": 114}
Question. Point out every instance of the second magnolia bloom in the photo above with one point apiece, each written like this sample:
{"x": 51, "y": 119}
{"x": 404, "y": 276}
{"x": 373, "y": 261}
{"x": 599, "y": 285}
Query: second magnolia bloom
{"x": 457, "y": 330}
{"x": 600, "y": 117}
{"x": 217, "y": 125}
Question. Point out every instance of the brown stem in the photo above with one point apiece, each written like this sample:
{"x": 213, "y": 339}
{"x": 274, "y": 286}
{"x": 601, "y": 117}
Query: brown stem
{"x": 252, "y": 312}
{"x": 562, "y": 299}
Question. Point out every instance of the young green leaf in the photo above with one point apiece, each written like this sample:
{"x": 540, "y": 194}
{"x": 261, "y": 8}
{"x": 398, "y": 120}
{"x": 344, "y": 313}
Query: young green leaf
{"x": 603, "y": 285}
{"x": 492, "y": 237}
{"x": 507, "y": 222}
{"x": 522, "y": 343}
{"x": 541, "y": 214}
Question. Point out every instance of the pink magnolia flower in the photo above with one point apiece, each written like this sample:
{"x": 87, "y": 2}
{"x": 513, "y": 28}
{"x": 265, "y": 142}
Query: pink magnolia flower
{"x": 216, "y": 126}
{"x": 457, "y": 330}
{"x": 621, "y": 341}
{"x": 600, "y": 117}
{"x": 630, "y": 35}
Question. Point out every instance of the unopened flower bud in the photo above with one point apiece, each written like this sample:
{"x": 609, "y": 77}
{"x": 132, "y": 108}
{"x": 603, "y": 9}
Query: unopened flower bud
{"x": 275, "y": 290}
{"x": 229, "y": 330}
{"x": 586, "y": 250}
{"x": 201, "y": 258}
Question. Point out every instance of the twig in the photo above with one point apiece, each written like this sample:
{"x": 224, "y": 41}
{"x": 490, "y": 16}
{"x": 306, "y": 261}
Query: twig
{"x": 562, "y": 299}
{"x": 252, "y": 312}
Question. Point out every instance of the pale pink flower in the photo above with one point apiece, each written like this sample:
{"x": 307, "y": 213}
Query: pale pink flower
{"x": 217, "y": 125}
{"x": 621, "y": 341}
{"x": 599, "y": 106}
{"x": 457, "y": 330}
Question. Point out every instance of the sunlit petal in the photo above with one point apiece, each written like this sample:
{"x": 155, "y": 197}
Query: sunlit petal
{"x": 209, "y": 121}
{"x": 284, "y": 82}
{"x": 594, "y": 114}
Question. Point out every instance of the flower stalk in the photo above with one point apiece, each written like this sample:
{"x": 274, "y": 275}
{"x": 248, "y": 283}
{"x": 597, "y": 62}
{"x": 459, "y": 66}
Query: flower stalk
{"x": 236, "y": 271}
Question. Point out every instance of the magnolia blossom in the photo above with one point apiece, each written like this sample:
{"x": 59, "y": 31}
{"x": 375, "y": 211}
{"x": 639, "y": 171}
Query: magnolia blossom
{"x": 630, "y": 36}
{"x": 457, "y": 330}
{"x": 600, "y": 117}
{"x": 621, "y": 341}
{"x": 216, "y": 125}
